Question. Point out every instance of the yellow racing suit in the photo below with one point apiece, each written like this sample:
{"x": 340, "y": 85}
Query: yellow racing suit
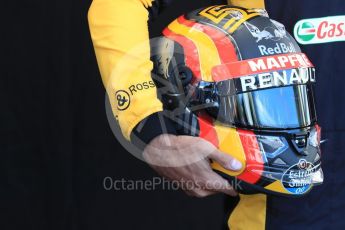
{"x": 120, "y": 36}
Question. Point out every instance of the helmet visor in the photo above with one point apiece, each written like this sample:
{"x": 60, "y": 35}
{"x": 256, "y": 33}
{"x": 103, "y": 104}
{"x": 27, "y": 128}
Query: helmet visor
{"x": 286, "y": 107}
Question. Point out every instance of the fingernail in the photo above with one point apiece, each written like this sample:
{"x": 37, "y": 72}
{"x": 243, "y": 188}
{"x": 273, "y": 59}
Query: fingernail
{"x": 235, "y": 165}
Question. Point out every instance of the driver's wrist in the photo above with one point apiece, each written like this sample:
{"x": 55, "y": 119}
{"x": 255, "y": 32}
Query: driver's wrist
{"x": 152, "y": 127}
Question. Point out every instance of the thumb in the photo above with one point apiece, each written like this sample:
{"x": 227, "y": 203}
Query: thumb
{"x": 227, "y": 161}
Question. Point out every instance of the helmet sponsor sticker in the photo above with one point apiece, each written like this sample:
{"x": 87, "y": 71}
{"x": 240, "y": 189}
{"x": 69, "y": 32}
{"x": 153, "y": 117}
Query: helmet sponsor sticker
{"x": 267, "y": 72}
{"x": 279, "y": 48}
{"x": 320, "y": 30}
{"x": 260, "y": 65}
{"x": 275, "y": 33}
{"x": 298, "y": 178}
{"x": 276, "y": 79}
{"x": 278, "y": 62}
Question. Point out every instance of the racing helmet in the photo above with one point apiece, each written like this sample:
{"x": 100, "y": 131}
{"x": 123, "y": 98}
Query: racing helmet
{"x": 238, "y": 79}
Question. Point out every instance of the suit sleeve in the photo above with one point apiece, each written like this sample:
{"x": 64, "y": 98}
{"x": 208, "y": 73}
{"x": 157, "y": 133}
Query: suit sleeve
{"x": 120, "y": 37}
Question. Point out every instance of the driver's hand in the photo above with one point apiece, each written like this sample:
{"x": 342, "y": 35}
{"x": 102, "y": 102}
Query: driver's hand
{"x": 187, "y": 159}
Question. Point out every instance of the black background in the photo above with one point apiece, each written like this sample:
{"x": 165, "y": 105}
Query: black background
{"x": 56, "y": 145}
